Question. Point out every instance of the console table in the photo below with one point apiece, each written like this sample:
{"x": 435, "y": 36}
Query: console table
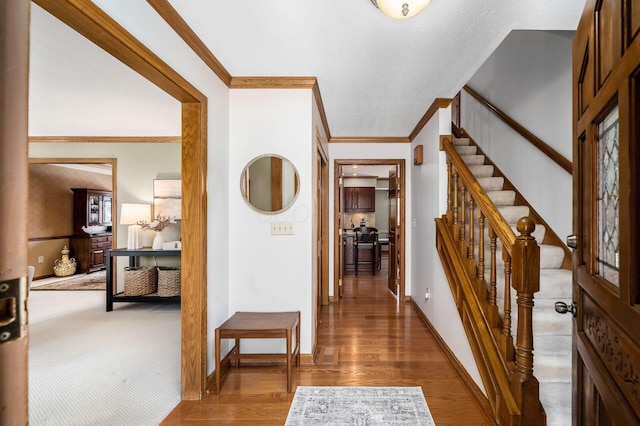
{"x": 260, "y": 325}
{"x": 134, "y": 259}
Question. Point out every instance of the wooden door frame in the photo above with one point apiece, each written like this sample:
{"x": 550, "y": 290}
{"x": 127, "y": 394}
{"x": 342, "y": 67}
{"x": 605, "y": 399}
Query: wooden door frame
{"x": 94, "y": 24}
{"x": 336, "y": 212}
{"x": 322, "y": 175}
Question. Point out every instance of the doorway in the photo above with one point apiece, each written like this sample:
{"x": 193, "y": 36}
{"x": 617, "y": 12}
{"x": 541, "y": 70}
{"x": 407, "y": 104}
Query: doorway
{"x": 361, "y": 171}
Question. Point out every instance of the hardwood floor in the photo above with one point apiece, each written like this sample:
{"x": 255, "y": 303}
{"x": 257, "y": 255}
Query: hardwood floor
{"x": 366, "y": 339}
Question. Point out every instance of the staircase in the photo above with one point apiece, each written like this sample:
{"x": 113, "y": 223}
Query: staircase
{"x": 552, "y": 331}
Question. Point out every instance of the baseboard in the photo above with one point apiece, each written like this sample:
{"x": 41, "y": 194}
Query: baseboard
{"x": 464, "y": 375}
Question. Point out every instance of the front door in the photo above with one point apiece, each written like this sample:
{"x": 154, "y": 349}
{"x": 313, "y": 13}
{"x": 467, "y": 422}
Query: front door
{"x": 606, "y": 108}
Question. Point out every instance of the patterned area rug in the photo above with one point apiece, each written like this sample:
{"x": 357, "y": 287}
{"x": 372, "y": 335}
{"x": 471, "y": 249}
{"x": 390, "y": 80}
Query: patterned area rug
{"x": 94, "y": 281}
{"x": 338, "y": 405}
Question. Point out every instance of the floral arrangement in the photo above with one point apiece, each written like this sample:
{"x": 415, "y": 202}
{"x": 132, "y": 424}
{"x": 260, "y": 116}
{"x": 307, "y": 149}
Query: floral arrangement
{"x": 159, "y": 223}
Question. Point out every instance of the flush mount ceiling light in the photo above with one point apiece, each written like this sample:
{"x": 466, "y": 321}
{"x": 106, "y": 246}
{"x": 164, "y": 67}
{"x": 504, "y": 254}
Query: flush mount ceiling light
{"x": 401, "y": 9}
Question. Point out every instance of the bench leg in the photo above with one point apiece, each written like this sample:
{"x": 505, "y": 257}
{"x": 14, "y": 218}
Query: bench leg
{"x": 289, "y": 368}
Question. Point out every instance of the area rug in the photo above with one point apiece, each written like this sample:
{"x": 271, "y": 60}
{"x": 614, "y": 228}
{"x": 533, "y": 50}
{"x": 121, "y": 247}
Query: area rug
{"x": 94, "y": 281}
{"x": 340, "y": 405}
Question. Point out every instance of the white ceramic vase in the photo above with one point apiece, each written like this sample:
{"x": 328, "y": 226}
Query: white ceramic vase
{"x": 158, "y": 241}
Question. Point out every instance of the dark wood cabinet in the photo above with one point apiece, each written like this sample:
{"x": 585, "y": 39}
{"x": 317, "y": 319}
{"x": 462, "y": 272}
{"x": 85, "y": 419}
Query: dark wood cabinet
{"x": 360, "y": 199}
{"x": 91, "y": 208}
{"x": 90, "y": 251}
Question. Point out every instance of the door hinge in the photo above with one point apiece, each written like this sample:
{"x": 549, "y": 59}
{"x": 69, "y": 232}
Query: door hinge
{"x": 11, "y": 309}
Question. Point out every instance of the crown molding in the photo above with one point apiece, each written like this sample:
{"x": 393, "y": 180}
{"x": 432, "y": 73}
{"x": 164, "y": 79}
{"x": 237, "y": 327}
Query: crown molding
{"x": 369, "y": 139}
{"x": 107, "y": 139}
{"x": 272, "y": 82}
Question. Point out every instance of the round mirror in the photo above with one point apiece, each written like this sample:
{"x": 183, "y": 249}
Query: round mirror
{"x": 269, "y": 183}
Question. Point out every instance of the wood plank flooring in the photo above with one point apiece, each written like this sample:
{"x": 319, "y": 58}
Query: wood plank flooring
{"x": 366, "y": 339}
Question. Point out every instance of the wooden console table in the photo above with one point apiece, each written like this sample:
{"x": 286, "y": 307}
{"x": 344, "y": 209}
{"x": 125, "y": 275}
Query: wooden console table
{"x": 260, "y": 325}
{"x": 134, "y": 257}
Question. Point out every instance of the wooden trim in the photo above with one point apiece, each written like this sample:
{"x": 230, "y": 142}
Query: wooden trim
{"x": 435, "y": 106}
{"x": 323, "y": 114}
{"x": 369, "y": 139}
{"x": 175, "y": 21}
{"x": 272, "y": 82}
{"x": 89, "y": 20}
{"x": 533, "y": 139}
{"x": 105, "y": 139}
{"x": 464, "y": 375}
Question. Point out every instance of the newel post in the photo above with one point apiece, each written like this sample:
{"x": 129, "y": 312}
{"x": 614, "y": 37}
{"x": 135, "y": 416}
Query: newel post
{"x": 526, "y": 281}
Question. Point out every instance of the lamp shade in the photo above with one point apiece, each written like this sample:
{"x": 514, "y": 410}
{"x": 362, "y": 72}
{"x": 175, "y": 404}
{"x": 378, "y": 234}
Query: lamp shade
{"x": 130, "y": 213}
{"x": 401, "y": 9}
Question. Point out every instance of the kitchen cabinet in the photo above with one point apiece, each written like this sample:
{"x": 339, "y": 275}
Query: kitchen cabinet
{"x": 91, "y": 208}
{"x": 360, "y": 199}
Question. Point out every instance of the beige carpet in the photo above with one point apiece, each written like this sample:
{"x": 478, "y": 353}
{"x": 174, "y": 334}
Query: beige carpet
{"x": 91, "y": 367}
{"x": 93, "y": 281}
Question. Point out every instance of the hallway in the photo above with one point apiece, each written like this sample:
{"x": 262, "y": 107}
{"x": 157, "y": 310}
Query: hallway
{"x": 366, "y": 339}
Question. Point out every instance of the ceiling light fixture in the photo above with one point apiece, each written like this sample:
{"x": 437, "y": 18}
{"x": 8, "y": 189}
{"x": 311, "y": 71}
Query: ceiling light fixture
{"x": 401, "y": 9}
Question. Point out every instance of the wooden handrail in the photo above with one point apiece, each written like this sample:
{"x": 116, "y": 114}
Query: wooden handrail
{"x": 533, "y": 139}
{"x": 490, "y": 211}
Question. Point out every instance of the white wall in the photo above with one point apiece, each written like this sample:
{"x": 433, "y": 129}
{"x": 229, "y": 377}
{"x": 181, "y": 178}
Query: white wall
{"x": 529, "y": 78}
{"x": 137, "y": 17}
{"x": 374, "y": 151}
{"x": 429, "y": 195}
{"x": 271, "y": 272}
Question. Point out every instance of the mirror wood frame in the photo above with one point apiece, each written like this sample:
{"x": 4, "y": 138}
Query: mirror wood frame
{"x": 276, "y": 171}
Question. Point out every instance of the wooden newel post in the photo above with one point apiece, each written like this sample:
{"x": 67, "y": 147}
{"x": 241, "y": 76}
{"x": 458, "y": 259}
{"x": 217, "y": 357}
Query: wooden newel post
{"x": 526, "y": 282}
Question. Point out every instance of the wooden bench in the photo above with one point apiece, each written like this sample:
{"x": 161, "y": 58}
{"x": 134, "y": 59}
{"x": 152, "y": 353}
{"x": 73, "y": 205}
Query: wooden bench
{"x": 260, "y": 325}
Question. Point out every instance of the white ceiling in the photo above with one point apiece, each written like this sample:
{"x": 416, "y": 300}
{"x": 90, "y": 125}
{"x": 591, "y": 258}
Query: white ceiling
{"x": 377, "y": 75}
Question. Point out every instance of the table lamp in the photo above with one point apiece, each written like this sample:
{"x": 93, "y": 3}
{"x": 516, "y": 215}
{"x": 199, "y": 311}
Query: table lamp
{"x": 131, "y": 214}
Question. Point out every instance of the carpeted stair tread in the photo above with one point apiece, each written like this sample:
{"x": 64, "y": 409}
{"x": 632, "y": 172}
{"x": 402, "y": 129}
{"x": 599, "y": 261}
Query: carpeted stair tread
{"x": 513, "y": 213}
{"x": 555, "y": 284}
{"x": 473, "y": 160}
{"x": 551, "y": 256}
{"x": 556, "y": 400}
{"x": 491, "y": 183}
{"x": 485, "y": 170}
{"x": 502, "y": 198}
{"x": 466, "y": 149}
{"x": 461, "y": 141}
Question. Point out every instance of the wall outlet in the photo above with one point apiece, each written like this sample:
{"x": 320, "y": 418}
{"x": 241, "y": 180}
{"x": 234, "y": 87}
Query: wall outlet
{"x": 40, "y": 259}
{"x": 427, "y": 294}
{"x": 282, "y": 228}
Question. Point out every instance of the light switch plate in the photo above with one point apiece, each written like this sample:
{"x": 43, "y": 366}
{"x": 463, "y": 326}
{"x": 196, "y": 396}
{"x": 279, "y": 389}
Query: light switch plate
{"x": 282, "y": 228}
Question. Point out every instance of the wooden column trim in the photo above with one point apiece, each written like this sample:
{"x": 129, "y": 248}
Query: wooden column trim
{"x": 14, "y": 173}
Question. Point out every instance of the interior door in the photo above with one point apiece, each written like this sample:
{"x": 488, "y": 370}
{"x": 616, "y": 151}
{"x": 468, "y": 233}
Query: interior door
{"x": 606, "y": 104}
{"x": 339, "y": 247}
{"x": 394, "y": 247}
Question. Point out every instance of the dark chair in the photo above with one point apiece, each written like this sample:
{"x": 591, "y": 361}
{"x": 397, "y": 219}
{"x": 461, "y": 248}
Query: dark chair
{"x": 366, "y": 241}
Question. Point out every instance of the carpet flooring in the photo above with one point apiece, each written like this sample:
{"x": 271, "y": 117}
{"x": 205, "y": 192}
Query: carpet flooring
{"x": 371, "y": 406}
{"x": 91, "y": 367}
{"x": 94, "y": 281}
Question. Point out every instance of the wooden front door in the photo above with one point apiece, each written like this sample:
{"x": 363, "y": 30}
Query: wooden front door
{"x": 606, "y": 107}
{"x": 394, "y": 278}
